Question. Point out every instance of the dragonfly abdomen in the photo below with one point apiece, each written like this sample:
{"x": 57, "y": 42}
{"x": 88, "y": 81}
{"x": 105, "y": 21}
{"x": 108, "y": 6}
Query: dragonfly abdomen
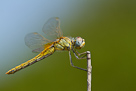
{"x": 21, "y": 66}
{"x": 45, "y": 53}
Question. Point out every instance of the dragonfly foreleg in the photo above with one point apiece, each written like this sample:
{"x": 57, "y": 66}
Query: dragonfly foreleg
{"x": 80, "y": 54}
{"x": 71, "y": 63}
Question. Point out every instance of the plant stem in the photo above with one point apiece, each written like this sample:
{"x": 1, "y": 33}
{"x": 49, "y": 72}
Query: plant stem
{"x": 89, "y": 71}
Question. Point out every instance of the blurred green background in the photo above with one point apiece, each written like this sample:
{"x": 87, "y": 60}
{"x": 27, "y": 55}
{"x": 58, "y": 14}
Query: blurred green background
{"x": 108, "y": 27}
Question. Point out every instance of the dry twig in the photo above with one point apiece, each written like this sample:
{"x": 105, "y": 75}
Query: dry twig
{"x": 89, "y": 70}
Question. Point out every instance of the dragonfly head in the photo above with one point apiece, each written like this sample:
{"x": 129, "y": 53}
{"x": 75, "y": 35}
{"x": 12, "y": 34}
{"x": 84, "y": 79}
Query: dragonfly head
{"x": 79, "y": 42}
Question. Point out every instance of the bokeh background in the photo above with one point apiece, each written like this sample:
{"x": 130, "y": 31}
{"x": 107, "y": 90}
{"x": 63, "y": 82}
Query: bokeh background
{"x": 108, "y": 27}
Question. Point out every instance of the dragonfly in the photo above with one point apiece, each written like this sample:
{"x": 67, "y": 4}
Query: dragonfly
{"x": 46, "y": 47}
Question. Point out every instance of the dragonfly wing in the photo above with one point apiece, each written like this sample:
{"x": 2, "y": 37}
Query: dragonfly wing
{"x": 35, "y": 41}
{"x": 52, "y": 28}
{"x": 38, "y": 50}
{"x": 43, "y": 47}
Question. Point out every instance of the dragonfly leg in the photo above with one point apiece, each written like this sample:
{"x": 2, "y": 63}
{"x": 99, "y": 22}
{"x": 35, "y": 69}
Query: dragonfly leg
{"x": 71, "y": 63}
{"x": 80, "y": 54}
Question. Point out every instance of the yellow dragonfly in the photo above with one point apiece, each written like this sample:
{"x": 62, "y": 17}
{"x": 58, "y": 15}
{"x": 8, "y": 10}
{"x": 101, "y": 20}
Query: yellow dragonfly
{"x": 46, "y": 47}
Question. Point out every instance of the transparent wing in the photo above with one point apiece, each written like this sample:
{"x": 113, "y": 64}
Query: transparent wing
{"x": 43, "y": 47}
{"x": 52, "y": 28}
{"x": 36, "y": 41}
